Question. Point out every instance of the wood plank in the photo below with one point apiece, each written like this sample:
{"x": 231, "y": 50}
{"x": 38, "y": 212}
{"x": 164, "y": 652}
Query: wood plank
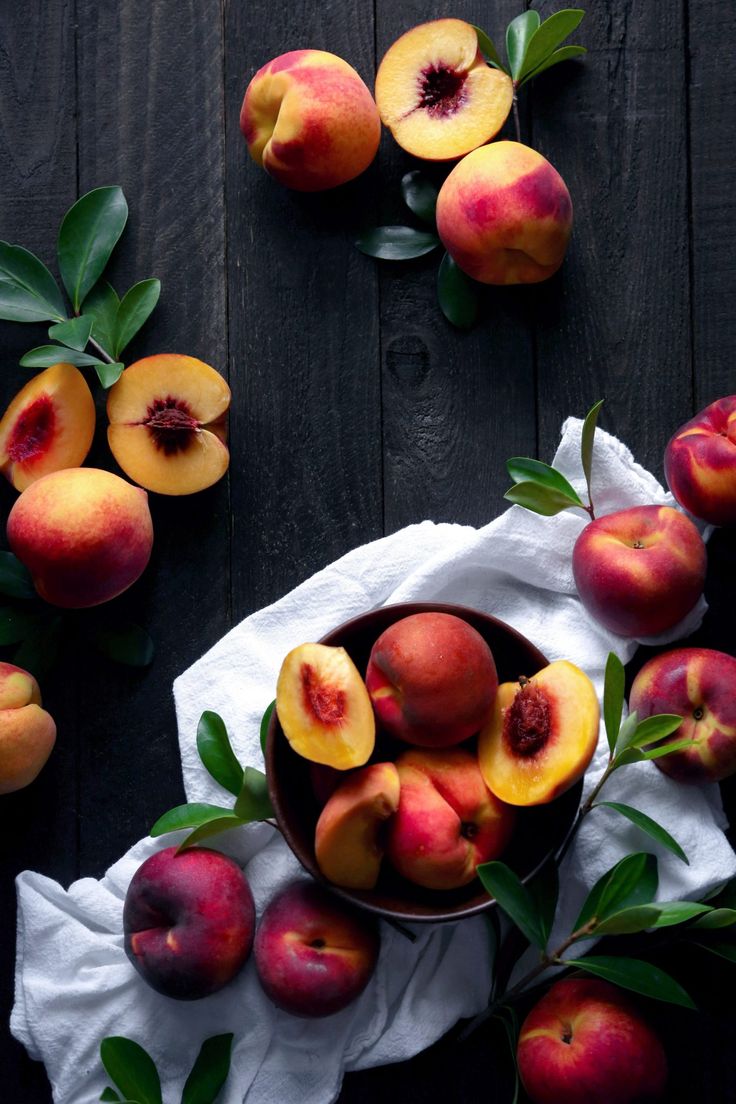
{"x": 303, "y": 333}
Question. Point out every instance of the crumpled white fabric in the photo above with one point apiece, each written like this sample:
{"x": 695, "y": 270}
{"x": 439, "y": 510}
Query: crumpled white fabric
{"x": 74, "y": 984}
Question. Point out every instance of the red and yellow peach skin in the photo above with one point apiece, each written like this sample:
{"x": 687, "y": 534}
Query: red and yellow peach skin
{"x": 700, "y": 463}
{"x": 347, "y": 841}
{"x": 27, "y": 732}
{"x": 310, "y": 121}
{"x": 505, "y": 215}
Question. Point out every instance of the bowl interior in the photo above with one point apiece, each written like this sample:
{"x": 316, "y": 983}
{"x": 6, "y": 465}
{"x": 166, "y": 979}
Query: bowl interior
{"x": 538, "y": 832}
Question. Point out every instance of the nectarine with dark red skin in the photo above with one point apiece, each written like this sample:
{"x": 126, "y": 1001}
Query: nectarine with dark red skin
{"x": 700, "y": 463}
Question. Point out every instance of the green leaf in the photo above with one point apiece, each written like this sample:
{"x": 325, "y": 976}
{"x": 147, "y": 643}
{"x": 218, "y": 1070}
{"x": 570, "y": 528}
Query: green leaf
{"x": 16, "y": 624}
{"x": 45, "y": 355}
{"x": 522, "y": 469}
{"x": 544, "y": 889}
{"x": 488, "y": 49}
{"x": 265, "y": 722}
{"x": 192, "y": 815}
{"x": 74, "y": 333}
{"x": 131, "y": 1069}
{"x": 541, "y": 500}
{"x": 667, "y": 749}
{"x": 519, "y": 34}
{"x": 629, "y": 755}
{"x": 125, "y": 643}
{"x": 457, "y": 294}
{"x": 108, "y": 374}
{"x": 672, "y": 913}
{"x": 655, "y": 728}
{"x": 515, "y": 900}
{"x": 551, "y": 33}
{"x": 565, "y": 54}
{"x": 41, "y": 647}
{"x": 420, "y": 195}
{"x": 102, "y": 304}
{"x": 28, "y": 291}
{"x": 628, "y": 921}
{"x": 15, "y": 578}
{"x": 215, "y": 751}
{"x": 397, "y": 243}
{"x": 109, "y": 1095}
{"x": 613, "y": 698}
{"x": 88, "y": 234}
{"x": 632, "y": 881}
{"x": 721, "y": 947}
{"x": 591, "y": 418}
{"x": 135, "y": 307}
{"x": 212, "y": 828}
{"x": 209, "y": 1072}
{"x": 253, "y": 802}
{"x": 626, "y": 732}
{"x": 635, "y": 975}
{"x": 716, "y": 918}
{"x": 646, "y": 824}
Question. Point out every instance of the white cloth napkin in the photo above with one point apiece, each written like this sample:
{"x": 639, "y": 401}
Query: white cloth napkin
{"x": 74, "y": 984}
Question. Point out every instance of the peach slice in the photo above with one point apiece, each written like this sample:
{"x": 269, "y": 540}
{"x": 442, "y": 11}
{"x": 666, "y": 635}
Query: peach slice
{"x": 167, "y": 424}
{"x": 48, "y": 426}
{"x": 436, "y": 94}
{"x": 323, "y": 707}
{"x": 541, "y": 735}
{"x": 348, "y": 838}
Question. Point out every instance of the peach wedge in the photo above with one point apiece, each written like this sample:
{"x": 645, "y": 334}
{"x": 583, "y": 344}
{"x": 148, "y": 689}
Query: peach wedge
{"x": 541, "y": 735}
{"x": 348, "y": 838}
{"x": 323, "y": 707}
{"x": 167, "y": 424}
{"x": 48, "y": 426}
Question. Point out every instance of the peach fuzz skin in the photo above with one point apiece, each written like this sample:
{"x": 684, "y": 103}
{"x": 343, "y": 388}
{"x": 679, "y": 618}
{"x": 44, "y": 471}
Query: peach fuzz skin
{"x": 314, "y": 954}
{"x": 84, "y": 534}
{"x": 27, "y": 732}
{"x": 347, "y": 842}
{"x": 504, "y": 214}
{"x": 189, "y": 921}
{"x": 310, "y": 121}
{"x": 699, "y": 684}
{"x": 639, "y": 571}
{"x": 700, "y": 463}
{"x": 585, "y": 1042}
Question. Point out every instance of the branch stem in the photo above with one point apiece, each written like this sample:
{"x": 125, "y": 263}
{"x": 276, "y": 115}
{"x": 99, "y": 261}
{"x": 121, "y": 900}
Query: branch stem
{"x": 102, "y": 352}
{"x": 517, "y": 120}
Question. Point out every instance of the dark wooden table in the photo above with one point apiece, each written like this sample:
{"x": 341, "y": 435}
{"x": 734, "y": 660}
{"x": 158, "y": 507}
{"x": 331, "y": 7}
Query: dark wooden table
{"x": 356, "y": 408}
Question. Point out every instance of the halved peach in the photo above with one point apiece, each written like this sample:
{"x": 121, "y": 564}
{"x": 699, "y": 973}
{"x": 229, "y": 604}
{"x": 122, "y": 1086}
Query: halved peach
{"x": 323, "y": 707}
{"x": 540, "y": 736}
{"x": 48, "y": 426}
{"x": 348, "y": 842}
{"x": 436, "y": 93}
{"x": 167, "y": 424}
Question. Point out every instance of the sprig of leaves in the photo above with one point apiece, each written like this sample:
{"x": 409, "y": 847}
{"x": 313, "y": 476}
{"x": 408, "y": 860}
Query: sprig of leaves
{"x": 89, "y": 232}
{"x": 533, "y": 46}
{"x": 247, "y": 785}
{"x": 134, "y": 1073}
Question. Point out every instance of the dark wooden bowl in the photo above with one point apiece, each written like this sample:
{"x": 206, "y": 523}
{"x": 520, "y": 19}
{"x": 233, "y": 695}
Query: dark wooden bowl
{"x": 539, "y": 831}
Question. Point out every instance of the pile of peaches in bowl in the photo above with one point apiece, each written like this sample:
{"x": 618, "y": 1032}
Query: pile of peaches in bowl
{"x": 418, "y": 741}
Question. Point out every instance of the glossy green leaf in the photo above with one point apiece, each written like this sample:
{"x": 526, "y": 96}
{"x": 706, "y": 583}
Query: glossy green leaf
{"x": 541, "y": 500}
{"x": 457, "y": 294}
{"x": 15, "y": 578}
{"x": 28, "y": 291}
{"x": 131, "y": 1069}
{"x": 635, "y": 975}
{"x": 523, "y": 469}
{"x": 265, "y": 722}
{"x": 589, "y": 425}
{"x": 519, "y": 34}
{"x": 109, "y": 1095}
{"x": 16, "y": 623}
{"x": 209, "y": 1072}
{"x": 566, "y": 53}
{"x": 646, "y": 824}
{"x": 102, "y": 305}
{"x": 667, "y": 749}
{"x": 488, "y": 49}
{"x": 628, "y": 921}
{"x": 397, "y": 243}
{"x": 632, "y": 881}
{"x": 108, "y": 374}
{"x": 629, "y": 755}
{"x": 724, "y": 896}
{"x": 215, "y": 751}
{"x": 672, "y": 913}
{"x": 212, "y": 828}
{"x": 74, "y": 333}
{"x": 626, "y": 733}
{"x": 253, "y": 802}
{"x": 721, "y": 947}
{"x": 45, "y": 355}
{"x": 40, "y": 648}
{"x": 88, "y": 234}
{"x": 716, "y": 918}
{"x": 515, "y": 900}
{"x": 551, "y": 34}
{"x": 135, "y": 308}
{"x": 125, "y": 643}
{"x": 420, "y": 195}
{"x": 192, "y": 815}
{"x": 613, "y": 697}
{"x": 655, "y": 728}
{"x": 544, "y": 889}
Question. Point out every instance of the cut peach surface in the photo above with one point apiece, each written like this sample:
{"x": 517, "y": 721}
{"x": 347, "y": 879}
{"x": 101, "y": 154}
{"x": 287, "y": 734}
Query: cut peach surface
{"x": 541, "y": 735}
{"x": 323, "y": 707}
{"x": 167, "y": 424}
{"x": 48, "y": 426}
{"x": 436, "y": 93}
{"x": 348, "y": 836}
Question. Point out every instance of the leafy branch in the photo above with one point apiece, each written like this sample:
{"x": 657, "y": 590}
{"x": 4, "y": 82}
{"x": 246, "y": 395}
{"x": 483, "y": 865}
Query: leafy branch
{"x": 134, "y": 1073}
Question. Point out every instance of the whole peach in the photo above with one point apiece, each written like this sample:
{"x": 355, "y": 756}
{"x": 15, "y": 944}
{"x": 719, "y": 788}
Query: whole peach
{"x": 84, "y": 534}
{"x": 700, "y": 463}
{"x": 584, "y": 1042}
{"x": 313, "y": 953}
{"x": 27, "y": 732}
{"x": 699, "y": 684}
{"x": 639, "y": 571}
{"x": 310, "y": 121}
{"x": 189, "y": 920}
{"x": 432, "y": 679}
{"x": 505, "y": 215}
